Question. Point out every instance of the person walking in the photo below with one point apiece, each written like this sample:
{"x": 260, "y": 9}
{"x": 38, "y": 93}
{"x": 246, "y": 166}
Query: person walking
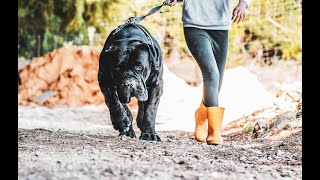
{"x": 206, "y": 26}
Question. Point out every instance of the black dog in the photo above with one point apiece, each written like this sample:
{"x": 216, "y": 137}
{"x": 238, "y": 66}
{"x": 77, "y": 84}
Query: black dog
{"x": 130, "y": 65}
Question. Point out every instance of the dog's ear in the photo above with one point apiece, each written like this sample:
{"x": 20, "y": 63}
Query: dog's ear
{"x": 112, "y": 52}
{"x": 154, "y": 55}
{"x": 110, "y": 49}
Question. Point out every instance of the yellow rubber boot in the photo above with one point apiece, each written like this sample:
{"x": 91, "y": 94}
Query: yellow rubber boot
{"x": 215, "y": 118}
{"x": 200, "y": 132}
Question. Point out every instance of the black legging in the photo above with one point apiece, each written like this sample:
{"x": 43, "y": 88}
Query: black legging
{"x": 209, "y": 49}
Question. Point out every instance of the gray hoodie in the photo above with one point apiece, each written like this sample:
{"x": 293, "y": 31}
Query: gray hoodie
{"x": 208, "y": 14}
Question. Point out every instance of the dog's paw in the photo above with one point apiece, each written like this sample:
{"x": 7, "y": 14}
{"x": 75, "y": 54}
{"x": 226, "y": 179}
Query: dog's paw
{"x": 121, "y": 122}
{"x": 150, "y": 137}
{"x": 115, "y": 125}
{"x": 129, "y": 133}
{"x": 124, "y": 124}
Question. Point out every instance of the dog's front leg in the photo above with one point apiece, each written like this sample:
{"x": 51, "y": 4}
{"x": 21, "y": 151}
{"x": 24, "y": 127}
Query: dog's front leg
{"x": 147, "y": 124}
{"x": 140, "y": 114}
{"x": 128, "y": 132}
{"x": 120, "y": 114}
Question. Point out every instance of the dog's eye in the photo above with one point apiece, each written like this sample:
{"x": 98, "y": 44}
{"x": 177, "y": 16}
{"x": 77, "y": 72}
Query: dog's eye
{"x": 138, "y": 68}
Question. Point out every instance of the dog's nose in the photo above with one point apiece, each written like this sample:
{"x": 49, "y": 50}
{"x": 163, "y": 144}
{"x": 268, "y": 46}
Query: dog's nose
{"x": 129, "y": 83}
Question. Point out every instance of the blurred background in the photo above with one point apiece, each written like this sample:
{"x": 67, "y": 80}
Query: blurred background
{"x": 45, "y": 25}
{"x": 59, "y": 42}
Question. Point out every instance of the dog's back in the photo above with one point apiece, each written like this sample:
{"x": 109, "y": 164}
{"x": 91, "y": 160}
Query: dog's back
{"x": 131, "y": 31}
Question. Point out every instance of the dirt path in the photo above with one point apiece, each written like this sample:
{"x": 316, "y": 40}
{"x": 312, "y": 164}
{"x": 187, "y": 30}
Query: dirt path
{"x": 52, "y": 145}
{"x": 45, "y": 154}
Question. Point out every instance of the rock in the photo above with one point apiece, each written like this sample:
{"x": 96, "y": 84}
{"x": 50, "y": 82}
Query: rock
{"x": 284, "y": 119}
{"x": 289, "y": 97}
{"x": 123, "y": 137}
{"x": 299, "y": 106}
{"x": 243, "y": 158}
{"x": 260, "y": 125}
{"x": 259, "y": 134}
{"x": 299, "y": 115}
{"x": 166, "y": 153}
{"x": 284, "y": 105}
{"x": 279, "y": 153}
{"x": 171, "y": 136}
{"x": 44, "y": 96}
{"x": 260, "y": 128}
{"x": 182, "y": 162}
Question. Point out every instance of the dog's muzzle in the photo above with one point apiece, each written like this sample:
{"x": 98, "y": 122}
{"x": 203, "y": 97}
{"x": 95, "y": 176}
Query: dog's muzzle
{"x": 130, "y": 86}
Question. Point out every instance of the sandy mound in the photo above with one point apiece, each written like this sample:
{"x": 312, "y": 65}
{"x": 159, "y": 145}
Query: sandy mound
{"x": 66, "y": 76}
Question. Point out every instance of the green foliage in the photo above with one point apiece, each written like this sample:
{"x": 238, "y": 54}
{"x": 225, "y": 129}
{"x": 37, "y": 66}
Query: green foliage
{"x": 269, "y": 24}
{"x": 49, "y": 23}
{"x": 248, "y": 128}
{"x": 44, "y": 25}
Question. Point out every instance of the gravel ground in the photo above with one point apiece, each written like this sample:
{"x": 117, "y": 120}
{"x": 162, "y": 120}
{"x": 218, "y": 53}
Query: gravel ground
{"x": 65, "y": 150}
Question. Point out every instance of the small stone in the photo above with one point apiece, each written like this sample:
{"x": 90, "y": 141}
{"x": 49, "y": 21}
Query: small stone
{"x": 167, "y": 160}
{"x": 279, "y": 153}
{"x": 166, "y": 153}
{"x": 260, "y": 125}
{"x": 191, "y": 167}
{"x": 182, "y": 162}
{"x": 171, "y": 136}
{"x": 281, "y": 144}
{"x": 124, "y": 151}
{"x": 243, "y": 158}
{"x": 287, "y": 127}
{"x": 123, "y": 138}
{"x": 257, "y": 152}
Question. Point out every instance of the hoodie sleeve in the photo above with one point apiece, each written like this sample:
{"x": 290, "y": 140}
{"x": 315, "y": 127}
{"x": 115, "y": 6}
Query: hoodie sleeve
{"x": 248, "y": 2}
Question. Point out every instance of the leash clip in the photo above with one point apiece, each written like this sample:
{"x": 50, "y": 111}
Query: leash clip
{"x": 166, "y": 2}
{"x": 131, "y": 20}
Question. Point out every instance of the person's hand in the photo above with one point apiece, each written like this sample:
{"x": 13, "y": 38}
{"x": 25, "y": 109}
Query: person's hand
{"x": 239, "y": 12}
{"x": 173, "y": 3}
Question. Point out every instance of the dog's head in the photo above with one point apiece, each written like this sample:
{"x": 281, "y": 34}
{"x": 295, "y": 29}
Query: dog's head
{"x": 131, "y": 65}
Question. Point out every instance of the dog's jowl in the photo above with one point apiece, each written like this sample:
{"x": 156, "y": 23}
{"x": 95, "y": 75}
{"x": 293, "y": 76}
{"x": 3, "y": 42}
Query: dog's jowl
{"x": 130, "y": 65}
